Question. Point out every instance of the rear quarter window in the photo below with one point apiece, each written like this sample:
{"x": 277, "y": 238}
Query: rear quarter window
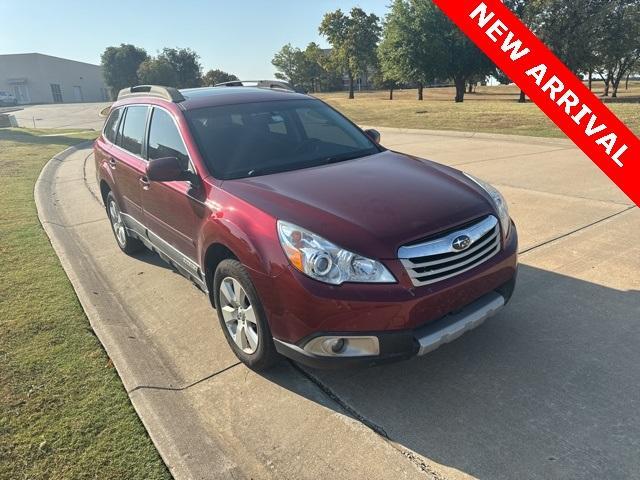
{"x": 111, "y": 127}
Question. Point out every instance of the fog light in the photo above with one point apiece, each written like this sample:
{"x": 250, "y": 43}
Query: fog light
{"x": 335, "y": 345}
{"x": 349, "y": 346}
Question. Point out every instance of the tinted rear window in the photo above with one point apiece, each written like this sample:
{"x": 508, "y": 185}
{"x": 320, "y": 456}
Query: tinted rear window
{"x": 253, "y": 139}
{"x": 132, "y": 133}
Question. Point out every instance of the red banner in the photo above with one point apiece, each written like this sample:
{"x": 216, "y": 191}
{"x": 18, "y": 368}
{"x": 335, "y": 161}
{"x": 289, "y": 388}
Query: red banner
{"x": 552, "y": 86}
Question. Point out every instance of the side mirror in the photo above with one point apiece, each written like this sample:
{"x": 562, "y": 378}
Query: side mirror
{"x": 373, "y": 134}
{"x": 168, "y": 169}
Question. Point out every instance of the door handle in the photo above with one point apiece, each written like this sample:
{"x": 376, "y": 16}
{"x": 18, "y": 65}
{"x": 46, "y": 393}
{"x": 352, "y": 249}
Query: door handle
{"x": 145, "y": 182}
{"x": 112, "y": 163}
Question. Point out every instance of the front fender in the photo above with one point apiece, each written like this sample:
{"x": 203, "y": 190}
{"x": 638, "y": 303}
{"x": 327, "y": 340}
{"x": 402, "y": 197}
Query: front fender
{"x": 251, "y": 236}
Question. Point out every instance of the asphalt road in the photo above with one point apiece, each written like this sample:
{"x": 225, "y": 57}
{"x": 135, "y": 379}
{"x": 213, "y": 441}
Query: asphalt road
{"x": 549, "y": 388}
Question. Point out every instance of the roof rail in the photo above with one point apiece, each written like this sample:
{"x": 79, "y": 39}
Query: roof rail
{"x": 167, "y": 93}
{"x": 277, "y": 84}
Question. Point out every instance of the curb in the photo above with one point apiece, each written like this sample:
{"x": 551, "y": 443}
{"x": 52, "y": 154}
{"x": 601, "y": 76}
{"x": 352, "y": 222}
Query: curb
{"x": 478, "y": 135}
{"x": 191, "y": 452}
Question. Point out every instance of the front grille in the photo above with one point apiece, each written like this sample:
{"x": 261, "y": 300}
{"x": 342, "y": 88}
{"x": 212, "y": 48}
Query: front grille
{"x": 437, "y": 259}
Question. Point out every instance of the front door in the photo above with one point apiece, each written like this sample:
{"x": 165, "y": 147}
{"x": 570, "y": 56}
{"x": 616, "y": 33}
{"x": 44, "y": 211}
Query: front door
{"x": 129, "y": 166}
{"x": 77, "y": 93}
{"x": 21, "y": 93}
{"x": 173, "y": 210}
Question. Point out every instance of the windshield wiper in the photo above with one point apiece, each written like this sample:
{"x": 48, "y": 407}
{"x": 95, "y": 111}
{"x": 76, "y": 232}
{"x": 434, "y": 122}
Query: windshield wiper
{"x": 343, "y": 158}
{"x": 260, "y": 171}
{"x": 348, "y": 156}
{"x": 288, "y": 167}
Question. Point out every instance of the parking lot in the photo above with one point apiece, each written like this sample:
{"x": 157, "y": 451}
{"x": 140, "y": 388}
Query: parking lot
{"x": 549, "y": 388}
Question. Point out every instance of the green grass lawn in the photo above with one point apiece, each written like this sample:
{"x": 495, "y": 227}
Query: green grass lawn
{"x": 63, "y": 411}
{"x": 489, "y": 110}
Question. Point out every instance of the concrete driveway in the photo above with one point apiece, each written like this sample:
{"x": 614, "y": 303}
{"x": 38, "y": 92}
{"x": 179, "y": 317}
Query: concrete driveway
{"x": 66, "y": 115}
{"x": 549, "y": 388}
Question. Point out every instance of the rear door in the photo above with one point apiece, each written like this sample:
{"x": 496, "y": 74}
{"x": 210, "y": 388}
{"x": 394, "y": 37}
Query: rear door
{"x": 104, "y": 146}
{"x": 173, "y": 210}
{"x": 129, "y": 166}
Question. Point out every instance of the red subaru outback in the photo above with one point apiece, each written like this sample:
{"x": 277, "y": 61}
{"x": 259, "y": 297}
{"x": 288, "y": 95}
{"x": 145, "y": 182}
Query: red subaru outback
{"x": 311, "y": 239}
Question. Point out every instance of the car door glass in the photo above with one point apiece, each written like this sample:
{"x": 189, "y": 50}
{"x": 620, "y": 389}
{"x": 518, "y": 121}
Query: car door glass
{"x": 164, "y": 138}
{"x": 132, "y": 133}
{"x": 111, "y": 127}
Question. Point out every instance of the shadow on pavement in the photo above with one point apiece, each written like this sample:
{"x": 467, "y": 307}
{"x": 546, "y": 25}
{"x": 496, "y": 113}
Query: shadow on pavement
{"x": 152, "y": 258}
{"x": 32, "y": 139}
{"x": 549, "y": 388}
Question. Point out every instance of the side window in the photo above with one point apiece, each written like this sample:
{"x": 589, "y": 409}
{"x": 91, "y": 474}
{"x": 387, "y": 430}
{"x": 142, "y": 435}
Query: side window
{"x": 132, "y": 133}
{"x": 164, "y": 138}
{"x": 111, "y": 127}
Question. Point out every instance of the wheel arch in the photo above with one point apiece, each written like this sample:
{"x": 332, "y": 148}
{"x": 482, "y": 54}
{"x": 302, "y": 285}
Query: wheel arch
{"x": 105, "y": 188}
{"x": 214, "y": 254}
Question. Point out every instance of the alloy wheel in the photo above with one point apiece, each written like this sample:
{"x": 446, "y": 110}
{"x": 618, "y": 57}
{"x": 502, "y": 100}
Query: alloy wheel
{"x": 239, "y": 315}
{"x": 117, "y": 223}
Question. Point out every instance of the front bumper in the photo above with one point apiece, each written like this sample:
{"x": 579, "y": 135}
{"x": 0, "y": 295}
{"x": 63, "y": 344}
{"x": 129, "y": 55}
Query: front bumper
{"x": 402, "y": 345}
{"x": 299, "y": 308}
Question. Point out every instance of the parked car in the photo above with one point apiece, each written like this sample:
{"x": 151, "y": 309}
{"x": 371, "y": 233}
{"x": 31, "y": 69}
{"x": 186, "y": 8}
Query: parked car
{"x": 7, "y": 99}
{"x": 312, "y": 240}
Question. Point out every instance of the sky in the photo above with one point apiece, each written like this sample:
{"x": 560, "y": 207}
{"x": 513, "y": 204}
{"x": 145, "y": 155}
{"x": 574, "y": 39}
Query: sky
{"x": 239, "y": 37}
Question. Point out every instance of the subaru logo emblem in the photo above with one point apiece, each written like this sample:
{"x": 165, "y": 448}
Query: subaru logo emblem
{"x": 461, "y": 243}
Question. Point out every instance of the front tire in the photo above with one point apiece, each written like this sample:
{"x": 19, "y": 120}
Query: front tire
{"x": 127, "y": 244}
{"x": 242, "y": 316}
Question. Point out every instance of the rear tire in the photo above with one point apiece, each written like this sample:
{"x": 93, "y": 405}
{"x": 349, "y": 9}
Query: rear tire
{"x": 127, "y": 243}
{"x": 242, "y": 316}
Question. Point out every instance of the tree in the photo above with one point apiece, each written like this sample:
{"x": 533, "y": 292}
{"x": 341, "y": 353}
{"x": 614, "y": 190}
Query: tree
{"x": 445, "y": 47}
{"x": 590, "y": 36}
{"x": 314, "y": 66}
{"x": 120, "y": 66}
{"x": 353, "y": 39}
{"x": 570, "y": 28}
{"x": 186, "y": 64}
{"x": 157, "y": 71}
{"x": 332, "y": 78}
{"x": 398, "y": 56}
{"x": 289, "y": 62}
{"x": 618, "y": 50}
{"x": 213, "y": 77}
{"x": 380, "y": 82}
{"x": 528, "y": 11}
{"x": 502, "y": 77}
{"x": 306, "y": 69}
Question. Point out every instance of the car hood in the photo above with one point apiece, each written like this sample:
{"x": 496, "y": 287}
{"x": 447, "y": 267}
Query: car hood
{"x": 370, "y": 205}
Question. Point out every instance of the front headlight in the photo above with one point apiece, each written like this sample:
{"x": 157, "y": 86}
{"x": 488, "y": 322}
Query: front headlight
{"x": 499, "y": 202}
{"x": 322, "y": 260}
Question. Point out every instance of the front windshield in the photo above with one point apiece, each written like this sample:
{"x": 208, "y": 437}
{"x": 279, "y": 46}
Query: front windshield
{"x": 252, "y": 139}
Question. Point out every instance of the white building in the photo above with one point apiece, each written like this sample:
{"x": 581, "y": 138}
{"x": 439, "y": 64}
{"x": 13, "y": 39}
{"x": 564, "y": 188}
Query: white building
{"x": 38, "y": 78}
